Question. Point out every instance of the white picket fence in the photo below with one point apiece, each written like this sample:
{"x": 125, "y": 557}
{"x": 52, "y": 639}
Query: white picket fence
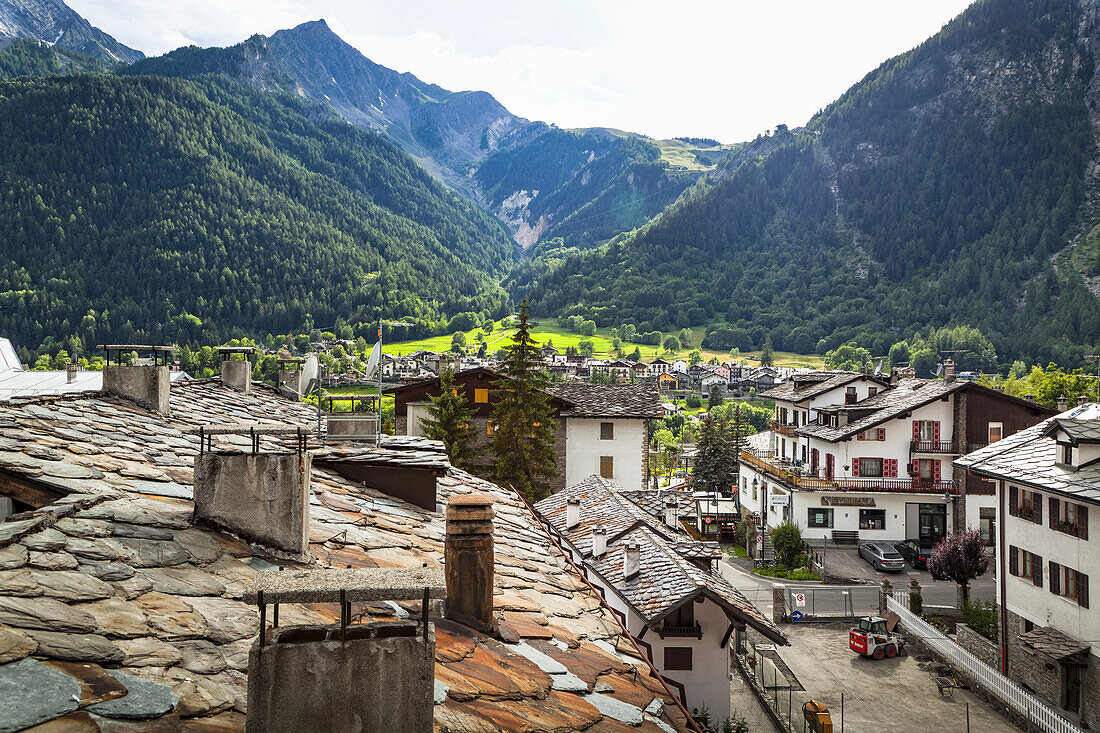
{"x": 1039, "y": 714}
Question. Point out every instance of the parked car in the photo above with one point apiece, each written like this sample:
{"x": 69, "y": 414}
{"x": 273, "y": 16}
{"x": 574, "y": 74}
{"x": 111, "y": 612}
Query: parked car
{"x": 882, "y": 557}
{"x": 916, "y": 552}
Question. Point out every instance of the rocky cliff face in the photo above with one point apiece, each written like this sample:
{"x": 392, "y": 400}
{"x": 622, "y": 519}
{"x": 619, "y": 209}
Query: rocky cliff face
{"x": 56, "y": 23}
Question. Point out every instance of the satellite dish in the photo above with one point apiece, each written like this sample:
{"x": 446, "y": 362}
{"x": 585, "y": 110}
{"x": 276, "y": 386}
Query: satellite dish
{"x": 311, "y": 368}
{"x": 373, "y": 359}
{"x": 878, "y": 369}
{"x": 939, "y": 370}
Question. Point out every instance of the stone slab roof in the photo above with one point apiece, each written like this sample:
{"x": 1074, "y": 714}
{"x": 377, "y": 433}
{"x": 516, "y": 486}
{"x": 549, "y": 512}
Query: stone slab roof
{"x": 906, "y": 395}
{"x": 116, "y": 578}
{"x": 806, "y": 386}
{"x": 1028, "y": 457}
{"x": 653, "y": 501}
{"x": 640, "y": 400}
{"x": 1079, "y": 431}
{"x": 668, "y": 575}
{"x": 1054, "y": 643}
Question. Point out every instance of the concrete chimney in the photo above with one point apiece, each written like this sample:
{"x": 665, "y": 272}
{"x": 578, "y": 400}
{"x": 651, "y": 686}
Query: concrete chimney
{"x": 290, "y": 378}
{"x": 372, "y": 676}
{"x": 237, "y": 374}
{"x": 70, "y": 371}
{"x": 949, "y": 370}
{"x": 468, "y": 561}
{"x": 1063, "y": 403}
{"x": 572, "y": 513}
{"x": 672, "y": 518}
{"x": 147, "y": 385}
{"x": 1082, "y": 399}
{"x": 261, "y": 497}
{"x": 631, "y": 560}
{"x": 599, "y": 542}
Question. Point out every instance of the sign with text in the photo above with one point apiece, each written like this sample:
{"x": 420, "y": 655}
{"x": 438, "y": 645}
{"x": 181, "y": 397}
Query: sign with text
{"x": 847, "y": 501}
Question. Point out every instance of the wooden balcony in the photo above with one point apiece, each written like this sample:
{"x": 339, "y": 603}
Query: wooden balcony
{"x": 794, "y": 477}
{"x": 950, "y": 447}
{"x": 681, "y": 631}
{"x": 782, "y": 429}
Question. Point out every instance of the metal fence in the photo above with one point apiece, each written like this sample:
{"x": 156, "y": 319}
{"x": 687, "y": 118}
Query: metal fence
{"x": 778, "y": 693}
{"x": 831, "y": 601}
{"x": 1035, "y": 711}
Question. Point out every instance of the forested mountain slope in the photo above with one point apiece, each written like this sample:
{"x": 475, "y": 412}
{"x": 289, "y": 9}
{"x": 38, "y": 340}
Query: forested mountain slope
{"x": 445, "y": 131}
{"x": 150, "y": 210}
{"x": 951, "y": 185}
{"x": 585, "y": 186}
{"x": 55, "y": 23}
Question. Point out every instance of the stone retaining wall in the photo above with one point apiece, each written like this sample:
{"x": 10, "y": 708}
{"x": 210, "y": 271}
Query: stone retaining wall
{"x": 978, "y": 645}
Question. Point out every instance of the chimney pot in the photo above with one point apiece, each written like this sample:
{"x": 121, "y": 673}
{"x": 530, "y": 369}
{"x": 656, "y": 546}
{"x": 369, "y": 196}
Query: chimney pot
{"x": 631, "y": 560}
{"x": 70, "y": 371}
{"x": 468, "y": 561}
{"x": 949, "y": 370}
{"x": 1082, "y": 399}
{"x": 671, "y": 513}
{"x": 572, "y": 513}
{"x": 1063, "y": 403}
{"x": 599, "y": 542}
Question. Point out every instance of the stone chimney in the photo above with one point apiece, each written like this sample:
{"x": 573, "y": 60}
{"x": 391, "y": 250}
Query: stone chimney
{"x": 468, "y": 561}
{"x": 632, "y": 554}
{"x": 261, "y": 497}
{"x": 70, "y": 371}
{"x": 572, "y": 513}
{"x": 147, "y": 385}
{"x": 599, "y": 542}
{"x": 949, "y": 369}
{"x": 237, "y": 374}
{"x": 1063, "y": 403}
{"x": 290, "y": 378}
{"x": 671, "y": 512}
{"x": 1082, "y": 399}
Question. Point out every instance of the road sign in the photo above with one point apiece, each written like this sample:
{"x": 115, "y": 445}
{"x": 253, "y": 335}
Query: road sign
{"x": 759, "y": 539}
{"x": 796, "y": 616}
{"x": 800, "y": 600}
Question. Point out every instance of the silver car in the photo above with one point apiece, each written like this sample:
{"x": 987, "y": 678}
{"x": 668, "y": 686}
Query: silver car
{"x": 882, "y": 557}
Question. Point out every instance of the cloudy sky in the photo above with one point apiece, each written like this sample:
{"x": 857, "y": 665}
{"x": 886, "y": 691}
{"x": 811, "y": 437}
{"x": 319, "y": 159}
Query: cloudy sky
{"x": 727, "y": 69}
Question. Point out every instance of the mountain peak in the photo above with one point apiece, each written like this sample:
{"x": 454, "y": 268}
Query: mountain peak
{"x": 56, "y": 23}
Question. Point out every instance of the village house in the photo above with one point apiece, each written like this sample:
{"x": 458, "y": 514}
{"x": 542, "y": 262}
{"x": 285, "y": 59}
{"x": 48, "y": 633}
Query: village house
{"x": 856, "y": 458}
{"x": 140, "y": 583}
{"x": 661, "y": 583}
{"x": 659, "y": 366}
{"x": 1047, "y": 481}
{"x": 601, "y": 429}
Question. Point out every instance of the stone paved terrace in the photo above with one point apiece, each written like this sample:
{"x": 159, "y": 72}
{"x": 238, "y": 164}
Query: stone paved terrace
{"x": 115, "y": 578}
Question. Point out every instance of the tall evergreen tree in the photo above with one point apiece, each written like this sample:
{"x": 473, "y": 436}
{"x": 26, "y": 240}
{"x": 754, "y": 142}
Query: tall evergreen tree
{"x": 524, "y": 434}
{"x": 716, "y": 460}
{"x": 449, "y": 420}
{"x": 767, "y": 358}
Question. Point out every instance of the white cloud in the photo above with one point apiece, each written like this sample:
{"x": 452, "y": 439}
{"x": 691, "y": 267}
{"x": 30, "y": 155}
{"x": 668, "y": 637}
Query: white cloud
{"x": 720, "y": 69}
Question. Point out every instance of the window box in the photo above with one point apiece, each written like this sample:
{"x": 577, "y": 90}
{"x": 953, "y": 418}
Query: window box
{"x": 1024, "y": 512}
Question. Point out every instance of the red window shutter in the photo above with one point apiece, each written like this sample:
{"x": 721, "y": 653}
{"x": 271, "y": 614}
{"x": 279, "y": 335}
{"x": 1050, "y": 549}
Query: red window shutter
{"x": 916, "y": 430}
{"x": 1055, "y": 578}
{"x": 1013, "y": 560}
{"x": 915, "y": 468}
{"x": 936, "y": 430}
{"x": 1083, "y": 590}
{"x": 935, "y": 470}
{"x": 1052, "y": 520}
{"x": 859, "y": 435}
{"x": 855, "y": 466}
{"x": 891, "y": 468}
{"x": 1082, "y": 522}
{"x": 881, "y": 434}
{"x": 1013, "y": 499}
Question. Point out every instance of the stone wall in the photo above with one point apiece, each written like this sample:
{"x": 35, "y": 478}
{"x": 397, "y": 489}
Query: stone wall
{"x": 558, "y": 482}
{"x": 978, "y": 645}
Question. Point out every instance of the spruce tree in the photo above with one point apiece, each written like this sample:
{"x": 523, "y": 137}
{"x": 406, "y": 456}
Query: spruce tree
{"x": 525, "y": 427}
{"x": 767, "y": 358}
{"x": 716, "y": 460}
{"x": 449, "y": 420}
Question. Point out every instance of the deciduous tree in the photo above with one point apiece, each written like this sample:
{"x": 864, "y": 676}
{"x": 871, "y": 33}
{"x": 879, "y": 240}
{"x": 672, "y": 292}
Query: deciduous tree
{"x": 960, "y": 557}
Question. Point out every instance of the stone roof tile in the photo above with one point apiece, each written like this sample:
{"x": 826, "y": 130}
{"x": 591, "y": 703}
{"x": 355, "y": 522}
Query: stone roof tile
{"x": 175, "y": 614}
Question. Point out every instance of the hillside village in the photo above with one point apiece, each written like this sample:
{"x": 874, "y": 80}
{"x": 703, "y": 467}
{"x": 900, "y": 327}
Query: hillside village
{"x": 335, "y": 400}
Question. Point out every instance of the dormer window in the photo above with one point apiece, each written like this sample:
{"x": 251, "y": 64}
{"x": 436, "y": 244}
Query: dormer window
{"x": 1066, "y": 451}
